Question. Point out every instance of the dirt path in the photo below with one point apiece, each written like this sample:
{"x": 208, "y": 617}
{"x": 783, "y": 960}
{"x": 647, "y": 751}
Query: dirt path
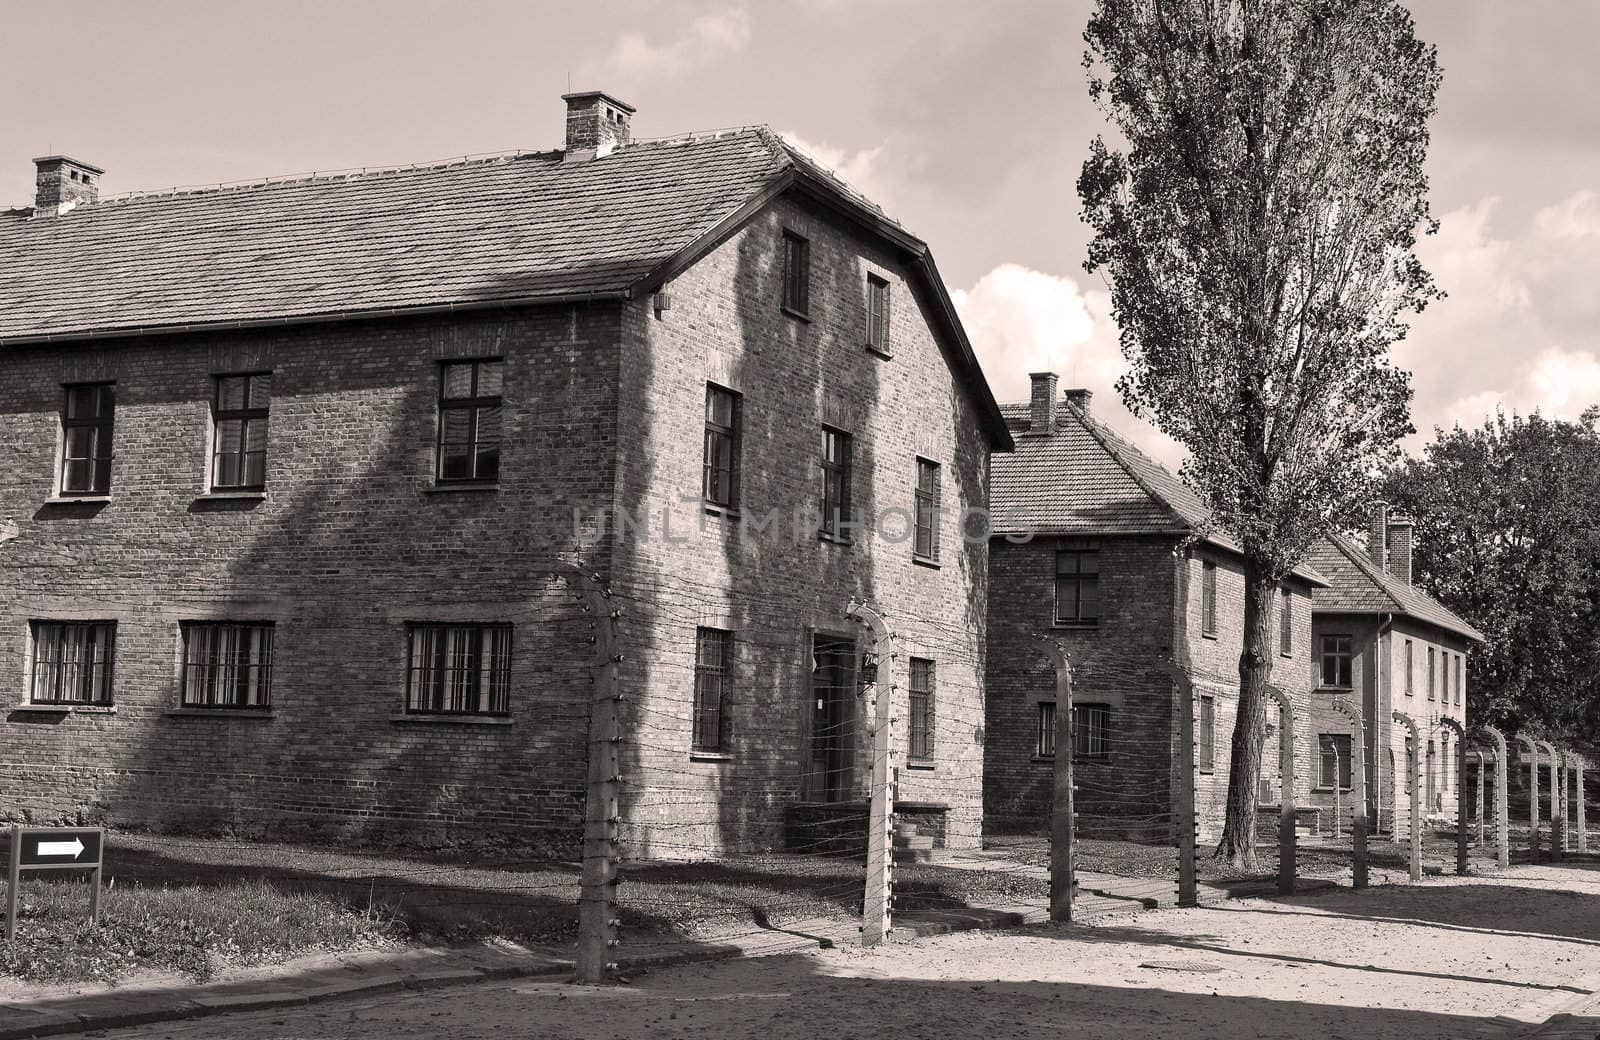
{"x": 1448, "y": 959}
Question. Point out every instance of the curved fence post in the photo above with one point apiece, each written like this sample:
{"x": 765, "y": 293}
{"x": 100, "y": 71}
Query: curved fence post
{"x": 1479, "y": 817}
{"x": 1461, "y": 790}
{"x": 1286, "y": 835}
{"x": 875, "y": 913}
{"x": 1533, "y": 793}
{"x": 1555, "y": 798}
{"x": 1413, "y": 787}
{"x": 1187, "y": 824}
{"x": 1502, "y": 775}
{"x": 1061, "y": 807}
{"x": 1358, "y": 792}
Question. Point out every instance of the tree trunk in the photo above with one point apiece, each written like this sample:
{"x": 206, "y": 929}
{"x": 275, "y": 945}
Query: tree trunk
{"x": 1238, "y": 844}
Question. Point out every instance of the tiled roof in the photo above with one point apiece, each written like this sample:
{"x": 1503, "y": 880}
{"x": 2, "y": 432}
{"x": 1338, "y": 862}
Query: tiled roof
{"x": 1085, "y": 477}
{"x": 1357, "y": 586}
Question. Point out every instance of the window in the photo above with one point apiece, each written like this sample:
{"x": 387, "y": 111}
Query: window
{"x": 1208, "y": 598}
{"x": 86, "y": 425}
{"x": 1091, "y": 725}
{"x": 921, "y": 705}
{"x": 1444, "y": 762}
{"x": 835, "y": 482}
{"x": 469, "y": 421}
{"x": 226, "y": 665}
{"x": 1430, "y": 673}
{"x": 1334, "y": 764}
{"x": 1077, "y": 585}
{"x": 1411, "y": 669}
{"x": 927, "y": 536}
{"x": 460, "y": 670}
{"x": 1285, "y": 622}
{"x": 1429, "y": 776}
{"x": 239, "y": 432}
{"x": 796, "y": 274}
{"x": 1336, "y": 662}
{"x": 72, "y": 661}
{"x": 1458, "y": 679}
{"x": 720, "y": 482}
{"x": 1208, "y": 733}
{"x": 712, "y": 648}
{"x": 1045, "y": 742}
{"x": 877, "y": 314}
{"x": 1411, "y": 765}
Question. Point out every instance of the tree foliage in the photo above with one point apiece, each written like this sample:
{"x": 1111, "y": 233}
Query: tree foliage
{"x": 1508, "y": 536}
{"x": 1257, "y": 223}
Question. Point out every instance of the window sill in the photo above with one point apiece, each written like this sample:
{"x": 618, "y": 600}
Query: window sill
{"x": 1209, "y": 635}
{"x": 1208, "y": 772}
{"x": 921, "y": 765}
{"x": 232, "y": 495}
{"x": 1081, "y": 625}
{"x": 710, "y": 756}
{"x": 219, "y": 713}
{"x": 447, "y": 489}
{"x": 797, "y": 315}
{"x": 67, "y": 709}
{"x": 1043, "y": 760}
{"x": 1329, "y": 790}
{"x": 836, "y": 539}
{"x": 452, "y": 720}
{"x": 75, "y": 500}
{"x": 879, "y": 352}
{"x": 1337, "y": 689}
{"x": 725, "y": 512}
{"x": 929, "y": 562}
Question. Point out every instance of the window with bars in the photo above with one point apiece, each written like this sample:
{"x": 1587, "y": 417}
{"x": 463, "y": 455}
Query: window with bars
{"x": 1336, "y": 662}
{"x": 1411, "y": 669}
{"x": 720, "y": 480}
{"x": 835, "y": 482}
{"x": 796, "y": 273}
{"x": 1458, "y": 679}
{"x": 1431, "y": 679}
{"x": 878, "y": 314}
{"x": 72, "y": 661}
{"x": 459, "y": 670}
{"x": 926, "y": 545}
{"x": 239, "y": 431}
{"x": 87, "y": 421}
{"x": 712, "y": 652}
{"x": 469, "y": 421}
{"x": 1208, "y": 733}
{"x": 1077, "y": 585}
{"x": 226, "y": 665}
{"x": 1285, "y": 622}
{"x": 1208, "y": 598}
{"x": 1333, "y": 765}
{"x": 921, "y": 729}
{"x": 1091, "y": 730}
{"x": 1044, "y": 745}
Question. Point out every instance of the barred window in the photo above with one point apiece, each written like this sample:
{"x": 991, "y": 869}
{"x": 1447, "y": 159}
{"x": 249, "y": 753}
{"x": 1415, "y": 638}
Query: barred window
{"x": 460, "y": 670}
{"x": 1208, "y": 733}
{"x": 1285, "y": 622}
{"x": 1334, "y": 763}
{"x": 1458, "y": 678}
{"x": 1045, "y": 741}
{"x": 711, "y": 660}
{"x": 1411, "y": 669}
{"x": 72, "y": 661}
{"x": 1431, "y": 680}
{"x": 877, "y": 313}
{"x": 469, "y": 421}
{"x": 226, "y": 665}
{"x": 239, "y": 438}
{"x": 1078, "y": 585}
{"x": 720, "y": 479}
{"x": 87, "y": 420}
{"x": 1208, "y": 598}
{"x": 926, "y": 545}
{"x": 1091, "y": 730}
{"x": 921, "y": 705}
{"x": 1336, "y": 656}
{"x": 796, "y": 273}
{"x": 835, "y": 481}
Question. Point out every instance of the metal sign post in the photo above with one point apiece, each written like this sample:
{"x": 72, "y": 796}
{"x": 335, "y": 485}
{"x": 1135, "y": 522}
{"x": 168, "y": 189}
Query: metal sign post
{"x": 53, "y": 848}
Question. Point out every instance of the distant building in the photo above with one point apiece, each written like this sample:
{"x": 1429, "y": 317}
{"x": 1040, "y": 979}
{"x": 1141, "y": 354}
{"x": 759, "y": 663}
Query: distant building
{"x": 288, "y": 465}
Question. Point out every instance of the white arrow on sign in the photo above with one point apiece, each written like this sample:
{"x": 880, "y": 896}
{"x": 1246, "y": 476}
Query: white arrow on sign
{"x": 73, "y": 848}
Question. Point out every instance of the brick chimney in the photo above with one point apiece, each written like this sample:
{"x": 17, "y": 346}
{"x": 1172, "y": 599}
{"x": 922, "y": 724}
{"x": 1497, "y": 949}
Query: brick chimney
{"x": 1401, "y": 534}
{"x": 62, "y": 183}
{"x": 597, "y": 124}
{"x": 1081, "y": 398}
{"x": 1378, "y": 534}
{"x": 1042, "y": 403}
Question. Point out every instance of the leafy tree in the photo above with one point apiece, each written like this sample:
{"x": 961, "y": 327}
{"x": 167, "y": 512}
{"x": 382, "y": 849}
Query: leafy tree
{"x": 1507, "y": 537}
{"x": 1258, "y": 226}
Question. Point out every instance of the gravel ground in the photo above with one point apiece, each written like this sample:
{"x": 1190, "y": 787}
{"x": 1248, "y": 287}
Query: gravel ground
{"x": 1451, "y": 958}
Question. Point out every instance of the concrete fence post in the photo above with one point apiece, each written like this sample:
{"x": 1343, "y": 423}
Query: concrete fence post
{"x": 1556, "y": 808}
{"x": 1286, "y": 819}
{"x": 1062, "y": 809}
{"x": 1460, "y": 732}
{"x": 876, "y": 922}
{"x": 1502, "y": 774}
{"x": 1187, "y": 823}
{"x": 1478, "y": 815}
{"x": 1579, "y": 798}
{"x": 1358, "y": 792}
{"x": 1414, "y": 788}
{"x": 1533, "y": 792}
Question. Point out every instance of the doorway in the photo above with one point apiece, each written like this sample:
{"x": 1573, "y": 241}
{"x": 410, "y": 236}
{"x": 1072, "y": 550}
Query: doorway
{"x": 831, "y": 773}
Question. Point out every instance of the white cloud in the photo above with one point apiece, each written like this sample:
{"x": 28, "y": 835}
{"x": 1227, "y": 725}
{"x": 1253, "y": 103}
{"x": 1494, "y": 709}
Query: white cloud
{"x": 708, "y": 38}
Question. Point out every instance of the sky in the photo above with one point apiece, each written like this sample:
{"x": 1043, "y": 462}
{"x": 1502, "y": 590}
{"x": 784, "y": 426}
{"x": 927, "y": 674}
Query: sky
{"x": 967, "y": 122}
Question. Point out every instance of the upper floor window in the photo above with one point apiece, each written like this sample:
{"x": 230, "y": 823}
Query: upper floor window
{"x": 920, "y": 731}
{"x": 1208, "y": 733}
{"x": 239, "y": 435}
{"x": 1091, "y": 730}
{"x": 926, "y": 545}
{"x": 712, "y": 653}
{"x": 1044, "y": 744}
{"x": 796, "y": 274}
{"x": 878, "y": 314}
{"x": 1077, "y": 585}
{"x": 86, "y": 425}
{"x": 469, "y": 421}
{"x": 1431, "y": 680}
{"x": 459, "y": 670}
{"x": 226, "y": 665}
{"x": 1285, "y": 622}
{"x": 835, "y": 482}
{"x": 1458, "y": 679}
{"x": 1208, "y": 598}
{"x": 720, "y": 479}
{"x": 72, "y": 661}
{"x": 1411, "y": 669}
{"x": 1333, "y": 766}
{"x": 1336, "y": 657}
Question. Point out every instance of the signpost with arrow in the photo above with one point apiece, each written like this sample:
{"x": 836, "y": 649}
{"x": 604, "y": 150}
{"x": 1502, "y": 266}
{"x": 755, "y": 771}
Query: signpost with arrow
{"x": 53, "y": 848}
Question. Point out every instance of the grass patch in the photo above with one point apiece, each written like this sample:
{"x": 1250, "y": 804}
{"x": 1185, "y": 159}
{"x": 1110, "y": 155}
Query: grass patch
{"x": 190, "y": 929}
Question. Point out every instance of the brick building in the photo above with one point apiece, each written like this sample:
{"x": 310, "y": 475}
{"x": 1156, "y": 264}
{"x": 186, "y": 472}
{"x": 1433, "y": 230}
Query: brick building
{"x": 1093, "y": 546}
{"x": 291, "y": 467}
{"x": 1386, "y": 646}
